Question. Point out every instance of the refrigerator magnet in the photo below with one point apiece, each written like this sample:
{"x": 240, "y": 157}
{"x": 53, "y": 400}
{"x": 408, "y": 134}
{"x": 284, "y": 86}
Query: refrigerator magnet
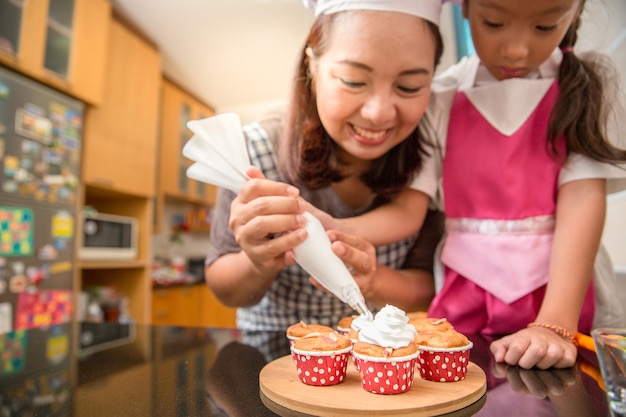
{"x": 18, "y": 283}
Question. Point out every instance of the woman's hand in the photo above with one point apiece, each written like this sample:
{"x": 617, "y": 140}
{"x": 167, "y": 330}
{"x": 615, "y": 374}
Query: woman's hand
{"x": 266, "y": 219}
{"x": 358, "y": 254}
{"x": 535, "y": 347}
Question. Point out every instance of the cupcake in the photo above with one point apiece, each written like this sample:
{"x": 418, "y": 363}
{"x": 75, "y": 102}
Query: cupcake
{"x": 414, "y": 315}
{"x": 322, "y": 360}
{"x": 344, "y": 325}
{"x": 301, "y": 329}
{"x": 443, "y": 355}
{"x": 429, "y": 324}
{"x": 385, "y": 354}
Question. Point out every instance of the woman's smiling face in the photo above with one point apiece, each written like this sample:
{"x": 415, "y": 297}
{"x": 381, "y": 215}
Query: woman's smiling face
{"x": 372, "y": 84}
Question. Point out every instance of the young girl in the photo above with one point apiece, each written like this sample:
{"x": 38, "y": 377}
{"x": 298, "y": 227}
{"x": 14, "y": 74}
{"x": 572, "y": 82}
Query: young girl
{"x": 524, "y": 150}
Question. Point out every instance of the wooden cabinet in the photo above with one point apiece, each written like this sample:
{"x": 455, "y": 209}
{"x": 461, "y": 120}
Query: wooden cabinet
{"x": 60, "y": 43}
{"x": 177, "y": 108}
{"x": 178, "y": 306}
{"x": 194, "y": 306}
{"x": 212, "y": 312}
{"x": 119, "y": 162}
{"x": 120, "y": 151}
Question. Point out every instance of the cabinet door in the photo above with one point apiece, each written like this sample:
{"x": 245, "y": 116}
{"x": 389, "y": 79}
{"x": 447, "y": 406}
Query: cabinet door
{"x": 179, "y": 107}
{"x": 59, "y": 42}
{"x": 203, "y": 192}
{"x": 175, "y": 112}
{"x": 121, "y": 134}
{"x": 213, "y": 313}
{"x": 176, "y": 306}
{"x": 89, "y": 49}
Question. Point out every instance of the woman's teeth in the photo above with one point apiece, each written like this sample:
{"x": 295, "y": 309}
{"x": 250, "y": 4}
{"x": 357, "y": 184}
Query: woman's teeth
{"x": 368, "y": 134}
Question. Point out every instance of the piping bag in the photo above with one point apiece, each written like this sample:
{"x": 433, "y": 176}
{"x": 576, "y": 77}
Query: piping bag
{"x": 317, "y": 258}
{"x": 218, "y": 149}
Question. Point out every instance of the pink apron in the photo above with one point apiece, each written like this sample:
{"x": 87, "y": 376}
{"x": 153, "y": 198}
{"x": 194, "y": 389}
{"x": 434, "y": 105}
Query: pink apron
{"x": 500, "y": 200}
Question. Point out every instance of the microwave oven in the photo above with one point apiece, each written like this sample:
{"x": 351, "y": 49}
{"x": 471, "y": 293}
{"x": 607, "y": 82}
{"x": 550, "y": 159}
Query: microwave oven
{"x": 108, "y": 237}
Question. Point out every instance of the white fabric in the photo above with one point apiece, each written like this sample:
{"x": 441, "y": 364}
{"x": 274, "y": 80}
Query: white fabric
{"x": 218, "y": 149}
{"x": 516, "y": 100}
{"x": 426, "y": 9}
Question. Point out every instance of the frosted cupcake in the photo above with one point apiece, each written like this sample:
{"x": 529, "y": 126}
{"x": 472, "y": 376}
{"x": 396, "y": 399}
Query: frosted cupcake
{"x": 356, "y": 325}
{"x": 385, "y": 354}
{"x": 322, "y": 360}
{"x": 443, "y": 355}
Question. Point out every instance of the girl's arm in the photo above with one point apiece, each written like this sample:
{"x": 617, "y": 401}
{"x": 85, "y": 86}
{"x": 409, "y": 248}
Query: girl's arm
{"x": 400, "y": 218}
{"x": 410, "y": 289}
{"x": 580, "y": 213}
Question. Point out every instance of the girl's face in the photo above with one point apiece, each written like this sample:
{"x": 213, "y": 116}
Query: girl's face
{"x": 372, "y": 84}
{"x": 512, "y": 38}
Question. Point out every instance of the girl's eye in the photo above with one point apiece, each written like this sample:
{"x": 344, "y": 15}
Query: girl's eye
{"x": 492, "y": 25}
{"x": 549, "y": 28}
{"x": 352, "y": 84}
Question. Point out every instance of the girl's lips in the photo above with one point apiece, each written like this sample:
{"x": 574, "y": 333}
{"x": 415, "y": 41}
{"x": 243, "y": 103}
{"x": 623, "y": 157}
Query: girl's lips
{"x": 370, "y": 137}
{"x": 511, "y": 72}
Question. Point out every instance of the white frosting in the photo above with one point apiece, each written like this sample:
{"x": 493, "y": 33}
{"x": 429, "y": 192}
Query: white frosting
{"x": 361, "y": 321}
{"x": 390, "y": 328}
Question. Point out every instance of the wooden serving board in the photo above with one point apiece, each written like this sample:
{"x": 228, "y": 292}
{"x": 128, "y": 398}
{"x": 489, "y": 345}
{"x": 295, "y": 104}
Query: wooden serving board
{"x": 284, "y": 393}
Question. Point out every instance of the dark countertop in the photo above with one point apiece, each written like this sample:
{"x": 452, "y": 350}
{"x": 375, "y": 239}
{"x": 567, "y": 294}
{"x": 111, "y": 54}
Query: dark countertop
{"x": 175, "y": 371}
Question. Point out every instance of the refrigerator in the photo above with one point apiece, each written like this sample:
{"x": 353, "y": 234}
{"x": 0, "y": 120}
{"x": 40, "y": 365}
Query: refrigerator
{"x": 40, "y": 155}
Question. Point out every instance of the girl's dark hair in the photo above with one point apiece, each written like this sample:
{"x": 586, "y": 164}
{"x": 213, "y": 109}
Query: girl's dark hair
{"x": 581, "y": 113}
{"x": 307, "y": 155}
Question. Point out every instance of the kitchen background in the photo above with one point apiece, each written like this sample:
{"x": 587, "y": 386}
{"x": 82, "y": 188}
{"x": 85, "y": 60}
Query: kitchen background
{"x": 260, "y": 88}
{"x": 142, "y": 69}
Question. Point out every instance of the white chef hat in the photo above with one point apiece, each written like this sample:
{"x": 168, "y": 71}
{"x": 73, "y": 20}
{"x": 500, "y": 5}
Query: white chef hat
{"x": 426, "y": 9}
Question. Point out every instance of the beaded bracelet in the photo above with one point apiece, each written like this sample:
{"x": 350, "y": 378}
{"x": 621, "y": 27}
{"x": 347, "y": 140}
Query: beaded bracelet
{"x": 556, "y": 329}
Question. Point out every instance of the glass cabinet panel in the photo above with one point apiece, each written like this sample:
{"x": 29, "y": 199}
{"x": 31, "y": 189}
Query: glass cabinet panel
{"x": 59, "y": 36}
{"x": 10, "y": 24}
{"x": 185, "y": 116}
{"x": 199, "y": 184}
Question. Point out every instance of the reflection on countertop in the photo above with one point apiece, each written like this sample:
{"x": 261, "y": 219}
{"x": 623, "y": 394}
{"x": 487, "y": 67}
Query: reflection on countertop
{"x": 195, "y": 371}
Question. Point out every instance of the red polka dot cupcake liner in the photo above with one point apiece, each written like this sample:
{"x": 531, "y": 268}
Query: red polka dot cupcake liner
{"x": 385, "y": 375}
{"x": 321, "y": 368}
{"x": 292, "y": 340}
{"x": 443, "y": 365}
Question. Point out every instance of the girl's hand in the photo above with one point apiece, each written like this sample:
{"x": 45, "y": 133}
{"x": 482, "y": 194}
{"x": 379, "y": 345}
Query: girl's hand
{"x": 534, "y": 347}
{"x": 358, "y": 254}
{"x": 328, "y": 221}
{"x": 267, "y": 222}
{"x": 539, "y": 383}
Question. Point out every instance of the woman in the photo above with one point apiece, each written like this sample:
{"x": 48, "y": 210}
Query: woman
{"x": 348, "y": 142}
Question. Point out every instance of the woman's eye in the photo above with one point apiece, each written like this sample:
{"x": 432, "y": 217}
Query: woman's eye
{"x": 409, "y": 90}
{"x": 352, "y": 84}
